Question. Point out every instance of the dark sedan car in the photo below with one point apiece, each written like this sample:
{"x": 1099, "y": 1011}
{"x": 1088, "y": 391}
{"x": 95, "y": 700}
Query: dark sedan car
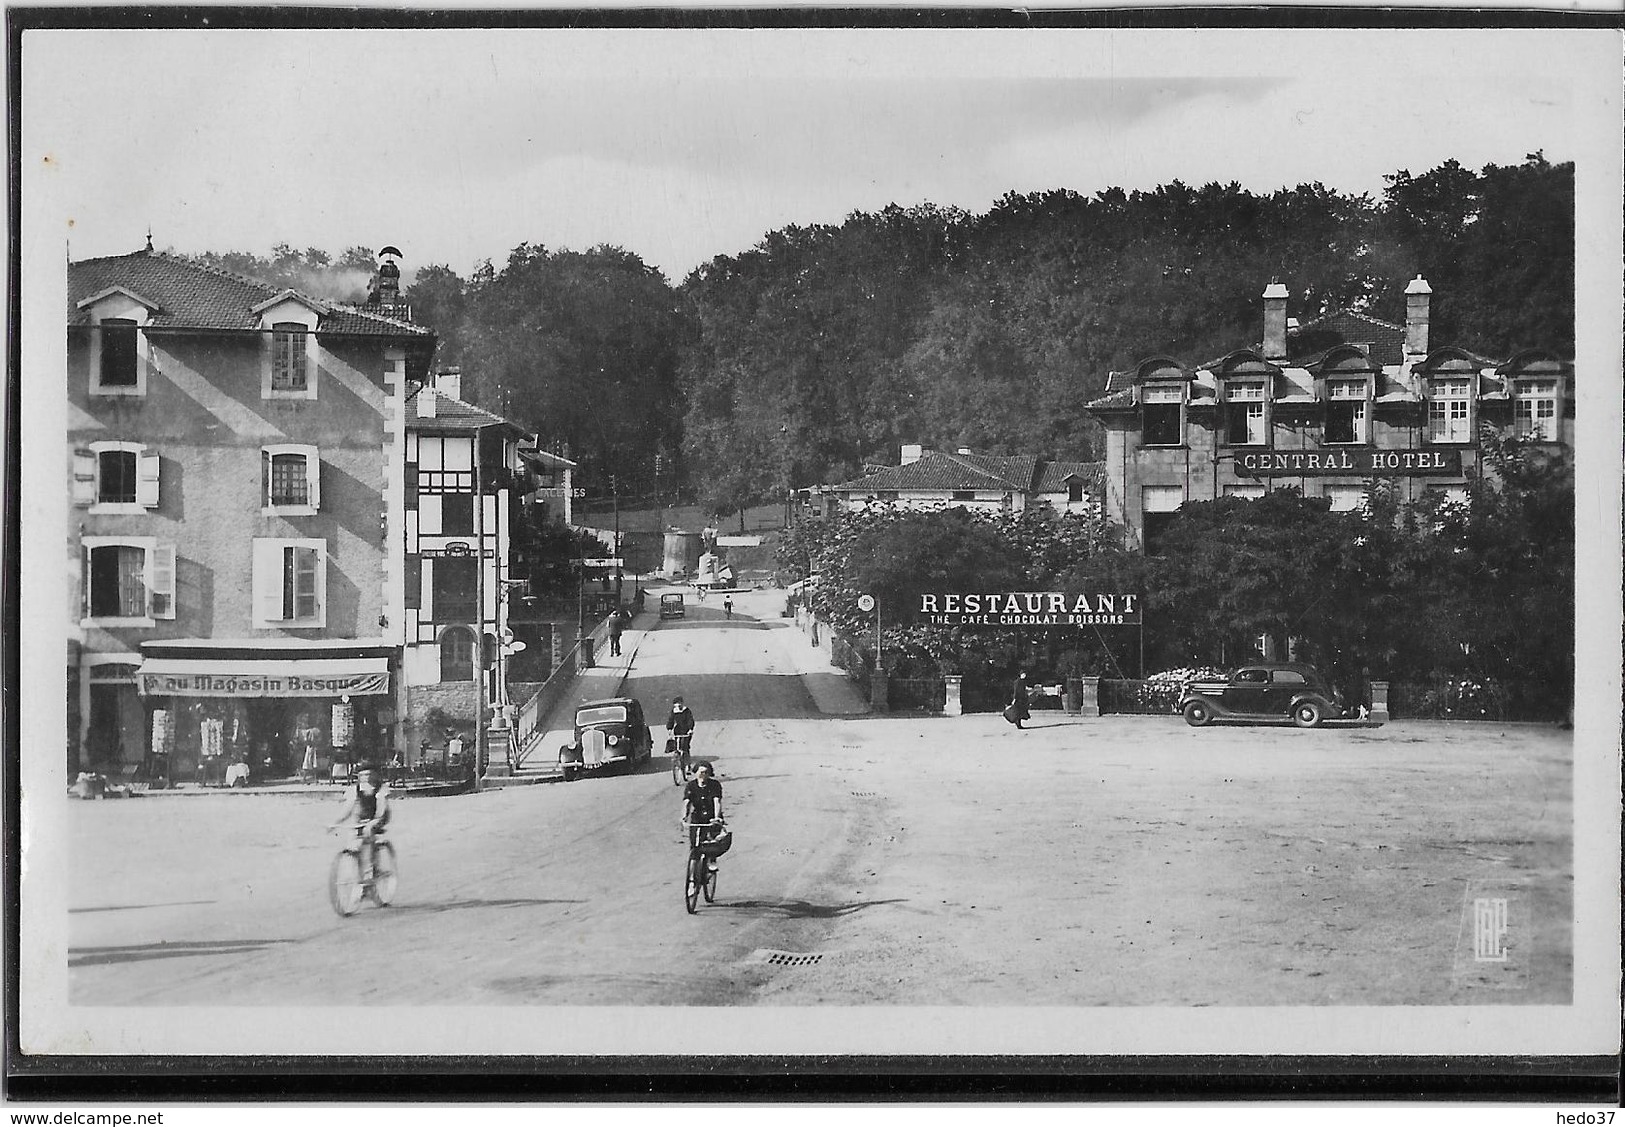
{"x": 1265, "y": 691}
{"x": 608, "y": 734}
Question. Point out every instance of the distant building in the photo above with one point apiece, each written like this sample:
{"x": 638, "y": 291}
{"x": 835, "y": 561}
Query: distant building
{"x": 235, "y": 454}
{"x": 927, "y": 479}
{"x": 1329, "y": 408}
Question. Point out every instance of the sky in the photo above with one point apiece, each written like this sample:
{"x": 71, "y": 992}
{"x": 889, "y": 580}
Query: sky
{"x": 680, "y": 145}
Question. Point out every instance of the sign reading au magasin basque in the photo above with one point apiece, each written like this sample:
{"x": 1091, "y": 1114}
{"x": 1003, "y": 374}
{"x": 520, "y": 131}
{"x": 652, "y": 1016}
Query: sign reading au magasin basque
{"x": 1356, "y": 463}
{"x": 263, "y": 685}
{"x": 1029, "y": 608}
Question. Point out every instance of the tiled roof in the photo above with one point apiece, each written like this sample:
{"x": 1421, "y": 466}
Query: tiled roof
{"x": 1052, "y": 475}
{"x": 1346, "y": 326}
{"x": 451, "y": 414}
{"x": 939, "y": 470}
{"x": 190, "y": 296}
{"x": 1123, "y": 397}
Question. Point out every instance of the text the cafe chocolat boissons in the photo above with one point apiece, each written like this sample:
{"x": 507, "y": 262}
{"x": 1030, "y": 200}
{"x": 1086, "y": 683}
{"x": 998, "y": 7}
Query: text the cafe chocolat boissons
{"x": 1029, "y": 608}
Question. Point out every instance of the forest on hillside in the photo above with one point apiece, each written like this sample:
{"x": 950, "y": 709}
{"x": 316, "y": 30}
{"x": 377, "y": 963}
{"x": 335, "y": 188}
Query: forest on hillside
{"x": 823, "y": 348}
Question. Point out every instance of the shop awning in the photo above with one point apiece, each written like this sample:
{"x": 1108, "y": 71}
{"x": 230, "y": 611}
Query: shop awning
{"x": 223, "y": 677}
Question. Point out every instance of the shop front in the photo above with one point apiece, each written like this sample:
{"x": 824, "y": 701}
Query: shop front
{"x": 223, "y": 715}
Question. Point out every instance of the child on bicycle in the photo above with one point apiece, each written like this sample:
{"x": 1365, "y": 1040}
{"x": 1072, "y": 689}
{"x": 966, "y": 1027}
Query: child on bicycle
{"x": 368, "y": 801}
{"x": 702, "y": 806}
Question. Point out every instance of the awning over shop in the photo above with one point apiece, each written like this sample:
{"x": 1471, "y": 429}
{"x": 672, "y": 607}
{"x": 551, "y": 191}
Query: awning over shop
{"x": 224, "y": 677}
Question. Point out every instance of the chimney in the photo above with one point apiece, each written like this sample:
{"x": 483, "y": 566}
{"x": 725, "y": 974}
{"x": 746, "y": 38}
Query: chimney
{"x": 912, "y": 452}
{"x": 1417, "y": 296}
{"x": 965, "y": 450}
{"x": 1275, "y": 322}
{"x": 426, "y": 402}
{"x": 449, "y": 382}
{"x": 386, "y": 284}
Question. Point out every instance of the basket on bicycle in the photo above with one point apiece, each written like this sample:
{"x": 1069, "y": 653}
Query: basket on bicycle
{"x": 718, "y": 845}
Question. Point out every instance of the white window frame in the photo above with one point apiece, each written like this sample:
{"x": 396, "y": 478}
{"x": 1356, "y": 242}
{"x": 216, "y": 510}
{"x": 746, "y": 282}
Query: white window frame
{"x": 268, "y": 363}
{"x": 1445, "y": 395}
{"x": 1528, "y": 395}
{"x": 87, "y": 478}
{"x": 1160, "y": 394}
{"x": 157, "y": 576}
{"x": 143, "y": 353}
{"x": 1357, "y": 391}
{"x": 268, "y": 593}
{"x": 313, "y": 479}
{"x": 1254, "y": 394}
{"x": 1334, "y": 492}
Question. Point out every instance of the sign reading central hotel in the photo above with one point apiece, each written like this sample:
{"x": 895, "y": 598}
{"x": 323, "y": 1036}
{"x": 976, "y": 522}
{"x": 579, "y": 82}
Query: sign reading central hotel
{"x": 1029, "y": 608}
{"x": 1355, "y": 463}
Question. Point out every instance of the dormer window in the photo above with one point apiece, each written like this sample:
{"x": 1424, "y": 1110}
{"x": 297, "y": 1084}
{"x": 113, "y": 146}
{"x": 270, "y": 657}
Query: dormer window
{"x": 1450, "y": 409}
{"x": 119, "y": 354}
{"x": 1246, "y": 413}
{"x": 1162, "y": 414}
{"x": 1534, "y": 410}
{"x": 288, "y": 370}
{"x": 1348, "y": 412}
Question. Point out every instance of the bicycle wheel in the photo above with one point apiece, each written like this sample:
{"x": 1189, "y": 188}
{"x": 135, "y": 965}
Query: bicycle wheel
{"x": 691, "y": 883}
{"x": 344, "y": 882}
{"x": 676, "y": 770}
{"x": 384, "y": 873}
{"x": 710, "y": 886}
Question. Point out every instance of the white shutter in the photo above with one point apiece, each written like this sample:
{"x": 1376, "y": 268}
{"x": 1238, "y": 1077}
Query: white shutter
{"x": 84, "y": 477}
{"x": 267, "y": 582}
{"x": 313, "y": 478}
{"x": 161, "y": 582}
{"x": 146, "y": 480}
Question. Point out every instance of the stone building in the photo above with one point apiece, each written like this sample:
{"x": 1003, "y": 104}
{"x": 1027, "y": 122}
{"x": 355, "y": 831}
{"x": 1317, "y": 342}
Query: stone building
{"x": 235, "y": 455}
{"x": 1329, "y": 407}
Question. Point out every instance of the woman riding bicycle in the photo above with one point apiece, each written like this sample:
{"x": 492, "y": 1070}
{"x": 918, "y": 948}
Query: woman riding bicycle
{"x": 681, "y": 725}
{"x": 702, "y": 806}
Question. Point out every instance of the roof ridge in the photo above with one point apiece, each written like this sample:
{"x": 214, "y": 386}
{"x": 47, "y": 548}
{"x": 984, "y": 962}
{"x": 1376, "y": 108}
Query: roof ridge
{"x": 960, "y": 459}
{"x": 1347, "y": 312}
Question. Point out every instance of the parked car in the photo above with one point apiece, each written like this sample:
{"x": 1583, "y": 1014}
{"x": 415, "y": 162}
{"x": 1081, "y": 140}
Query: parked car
{"x": 671, "y": 605}
{"x": 1264, "y": 691}
{"x": 608, "y": 734}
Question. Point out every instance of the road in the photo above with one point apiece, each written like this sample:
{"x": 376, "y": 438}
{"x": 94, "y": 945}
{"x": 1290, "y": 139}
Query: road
{"x": 879, "y": 860}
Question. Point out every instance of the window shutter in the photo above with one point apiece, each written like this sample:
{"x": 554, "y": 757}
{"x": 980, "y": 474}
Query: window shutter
{"x": 267, "y": 582}
{"x": 161, "y": 591}
{"x": 146, "y": 480}
{"x": 84, "y": 477}
{"x": 265, "y": 478}
{"x": 306, "y": 604}
{"x": 313, "y": 479}
{"x": 411, "y": 484}
{"x": 84, "y": 582}
{"x": 414, "y": 581}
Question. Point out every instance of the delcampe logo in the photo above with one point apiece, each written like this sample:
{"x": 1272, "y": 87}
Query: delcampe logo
{"x": 1489, "y": 929}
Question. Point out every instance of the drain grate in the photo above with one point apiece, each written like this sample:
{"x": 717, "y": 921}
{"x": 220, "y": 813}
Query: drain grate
{"x": 787, "y": 958}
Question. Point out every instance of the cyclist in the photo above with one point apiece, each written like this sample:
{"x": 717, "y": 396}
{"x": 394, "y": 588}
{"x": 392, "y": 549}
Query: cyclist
{"x": 681, "y": 725}
{"x": 368, "y": 801}
{"x": 702, "y": 805}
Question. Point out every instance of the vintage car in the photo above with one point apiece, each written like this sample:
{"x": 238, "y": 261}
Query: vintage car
{"x": 1263, "y": 691}
{"x": 608, "y": 734}
{"x": 671, "y": 605}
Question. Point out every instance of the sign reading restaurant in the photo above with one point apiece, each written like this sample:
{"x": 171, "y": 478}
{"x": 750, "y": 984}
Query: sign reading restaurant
{"x": 1355, "y": 463}
{"x": 1029, "y": 608}
{"x": 263, "y": 685}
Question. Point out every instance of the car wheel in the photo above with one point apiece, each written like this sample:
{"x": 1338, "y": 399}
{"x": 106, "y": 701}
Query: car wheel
{"x": 1306, "y": 714}
{"x": 1197, "y": 713}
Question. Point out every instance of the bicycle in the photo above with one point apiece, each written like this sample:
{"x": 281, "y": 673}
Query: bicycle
{"x": 351, "y": 879}
{"x": 700, "y": 875}
{"x": 682, "y": 767}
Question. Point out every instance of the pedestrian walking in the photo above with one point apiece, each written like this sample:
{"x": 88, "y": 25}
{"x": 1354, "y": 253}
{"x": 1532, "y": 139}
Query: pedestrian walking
{"x": 1017, "y": 711}
{"x": 728, "y": 606}
{"x": 617, "y": 622}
